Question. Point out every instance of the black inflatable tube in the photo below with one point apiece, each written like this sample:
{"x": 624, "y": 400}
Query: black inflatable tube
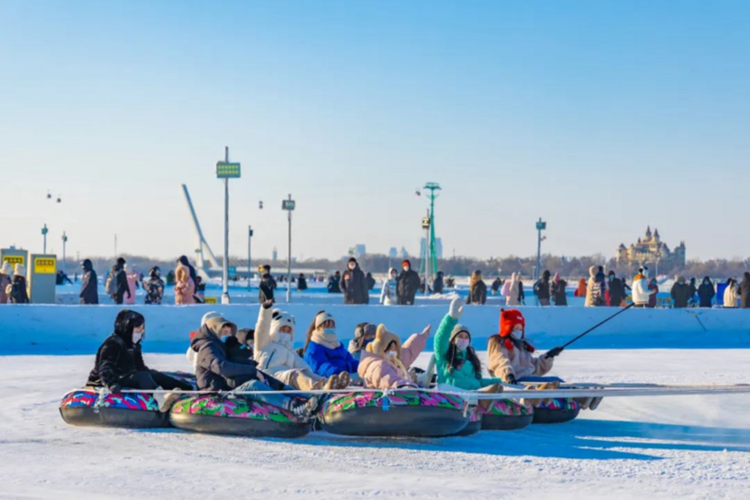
{"x": 548, "y": 416}
{"x": 398, "y": 421}
{"x": 238, "y": 426}
{"x": 505, "y": 422}
{"x": 470, "y": 429}
{"x": 114, "y": 417}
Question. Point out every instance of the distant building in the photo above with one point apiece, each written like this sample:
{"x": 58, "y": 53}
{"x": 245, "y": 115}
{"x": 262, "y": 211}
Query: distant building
{"x": 274, "y": 255}
{"x": 404, "y": 253}
{"x": 651, "y": 250}
{"x": 438, "y": 247}
{"x": 393, "y": 253}
{"x": 360, "y": 250}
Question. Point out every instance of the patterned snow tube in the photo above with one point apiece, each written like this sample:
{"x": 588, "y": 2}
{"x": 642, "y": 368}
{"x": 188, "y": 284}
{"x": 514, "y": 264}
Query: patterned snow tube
{"x": 475, "y": 422}
{"x": 556, "y": 411}
{"x": 238, "y": 416}
{"x": 133, "y": 410}
{"x": 506, "y": 415}
{"x": 402, "y": 413}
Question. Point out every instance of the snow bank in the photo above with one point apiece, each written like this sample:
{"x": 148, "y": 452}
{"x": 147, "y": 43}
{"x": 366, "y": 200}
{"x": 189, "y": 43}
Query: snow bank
{"x": 50, "y": 329}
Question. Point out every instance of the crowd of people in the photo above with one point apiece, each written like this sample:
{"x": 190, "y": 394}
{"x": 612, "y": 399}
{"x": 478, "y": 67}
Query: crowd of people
{"x": 263, "y": 360}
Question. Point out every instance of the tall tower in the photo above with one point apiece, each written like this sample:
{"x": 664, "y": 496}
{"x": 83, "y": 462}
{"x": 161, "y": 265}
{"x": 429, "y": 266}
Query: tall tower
{"x": 432, "y": 187}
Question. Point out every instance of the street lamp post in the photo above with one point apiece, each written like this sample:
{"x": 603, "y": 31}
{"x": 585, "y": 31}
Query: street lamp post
{"x": 540, "y": 226}
{"x": 44, "y": 233}
{"x": 226, "y": 171}
{"x": 249, "y": 254}
{"x": 289, "y": 205}
{"x": 426, "y": 224}
{"x": 65, "y": 242}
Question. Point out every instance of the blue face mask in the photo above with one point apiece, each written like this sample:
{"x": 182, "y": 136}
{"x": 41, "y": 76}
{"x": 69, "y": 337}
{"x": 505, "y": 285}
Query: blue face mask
{"x": 329, "y": 331}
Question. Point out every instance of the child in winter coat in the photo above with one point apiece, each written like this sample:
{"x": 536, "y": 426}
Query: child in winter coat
{"x": 511, "y": 356}
{"x": 385, "y": 362}
{"x": 389, "y": 293}
{"x": 184, "y": 286}
{"x": 275, "y": 354}
{"x": 154, "y": 286}
{"x": 324, "y": 352}
{"x": 16, "y": 290}
{"x": 457, "y": 363}
{"x": 364, "y": 334}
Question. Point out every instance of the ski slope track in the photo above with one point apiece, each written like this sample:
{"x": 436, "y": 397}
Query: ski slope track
{"x": 656, "y": 447}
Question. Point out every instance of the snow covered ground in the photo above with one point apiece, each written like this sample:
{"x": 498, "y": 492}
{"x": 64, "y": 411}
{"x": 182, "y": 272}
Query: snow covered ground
{"x": 672, "y": 447}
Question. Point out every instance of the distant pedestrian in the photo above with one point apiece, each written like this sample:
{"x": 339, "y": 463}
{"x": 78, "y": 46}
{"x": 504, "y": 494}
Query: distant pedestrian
{"x": 389, "y": 294}
{"x": 17, "y": 291}
{"x": 354, "y": 284}
{"x": 334, "y": 283}
{"x": 680, "y": 293}
{"x": 731, "y": 293}
{"x": 184, "y": 286}
{"x": 6, "y": 276}
{"x": 132, "y": 280}
{"x": 185, "y": 262}
{"x": 594, "y": 289}
{"x": 542, "y": 289}
{"x": 497, "y": 284}
{"x": 558, "y": 291}
{"x": 370, "y": 281}
{"x": 706, "y": 293}
{"x": 267, "y": 285}
{"x": 301, "y": 283}
{"x": 170, "y": 277}
{"x": 745, "y": 291}
{"x": 438, "y": 285}
{"x": 89, "y": 287}
{"x": 692, "y": 292}
{"x": 513, "y": 290}
{"x": 581, "y": 290}
{"x": 616, "y": 290}
{"x": 642, "y": 291}
{"x": 408, "y": 284}
{"x": 117, "y": 282}
{"x": 154, "y": 287}
{"x": 477, "y": 289}
{"x": 653, "y": 288}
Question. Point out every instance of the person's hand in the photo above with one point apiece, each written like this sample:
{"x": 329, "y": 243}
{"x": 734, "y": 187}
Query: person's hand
{"x": 267, "y": 304}
{"x": 114, "y": 388}
{"x": 553, "y": 352}
{"x": 456, "y": 308}
{"x": 426, "y": 331}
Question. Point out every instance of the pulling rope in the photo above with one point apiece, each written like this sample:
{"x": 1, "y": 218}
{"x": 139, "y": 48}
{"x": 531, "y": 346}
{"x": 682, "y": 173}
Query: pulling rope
{"x": 598, "y": 325}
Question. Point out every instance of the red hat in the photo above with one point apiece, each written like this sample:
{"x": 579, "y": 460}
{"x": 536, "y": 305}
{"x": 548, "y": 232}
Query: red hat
{"x": 508, "y": 319}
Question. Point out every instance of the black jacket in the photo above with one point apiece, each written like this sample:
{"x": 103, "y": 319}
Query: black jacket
{"x": 89, "y": 292}
{"x": 745, "y": 292}
{"x": 616, "y": 292}
{"x": 267, "y": 286}
{"x": 706, "y": 294}
{"x": 215, "y": 370}
{"x": 407, "y": 286}
{"x": 541, "y": 289}
{"x": 18, "y": 293}
{"x": 477, "y": 293}
{"x": 302, "y": 284}
{"x": 354, "y": 286}
{"x": 557, "y": 291}
{"x": 680, "y": 295}
{"x": 122, "y": 286}
{"x": 334, "y": 285}
{"x": 438, "y": 285}
{"x": 116, "y": 359}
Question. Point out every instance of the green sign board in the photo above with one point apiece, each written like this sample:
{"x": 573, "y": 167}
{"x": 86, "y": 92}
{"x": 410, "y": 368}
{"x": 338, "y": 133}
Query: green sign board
{"x": 226, "y": 170}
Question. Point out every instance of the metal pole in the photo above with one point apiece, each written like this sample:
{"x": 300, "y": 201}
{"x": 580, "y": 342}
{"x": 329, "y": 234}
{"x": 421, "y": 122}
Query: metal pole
{"x": 538, "y": 252}
{"x": 225, "y": 271}
{"x": 249, "y": 254}
{"x": 428, "y": 263}
{"x": 65, "y": 241}
{"x": 45, "y": 239}
{"x": 289, "y": 261}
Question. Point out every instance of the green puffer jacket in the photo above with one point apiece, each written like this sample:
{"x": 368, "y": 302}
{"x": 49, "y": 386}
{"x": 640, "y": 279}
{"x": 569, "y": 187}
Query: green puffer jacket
{"x": 464, "y": 377}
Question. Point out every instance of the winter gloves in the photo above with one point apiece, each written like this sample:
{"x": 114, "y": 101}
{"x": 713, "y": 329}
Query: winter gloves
{"x": 456, "y": 308}
{"x": 511, "y": 379}
{"x": 553, "y": 352}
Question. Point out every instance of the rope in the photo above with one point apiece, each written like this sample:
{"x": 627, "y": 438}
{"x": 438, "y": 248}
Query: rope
{"x": 610, "y": 391}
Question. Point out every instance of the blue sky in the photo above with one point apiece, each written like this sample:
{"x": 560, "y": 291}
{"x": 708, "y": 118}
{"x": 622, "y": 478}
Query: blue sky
{"x": 601, "y": 117}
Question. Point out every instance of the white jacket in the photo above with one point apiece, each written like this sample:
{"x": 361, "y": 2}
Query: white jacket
{"x": 730, "y": 296}
{"x": 274, "y": 351}
{"x": 640, "y": 291}
{"x": 388, "y": 296}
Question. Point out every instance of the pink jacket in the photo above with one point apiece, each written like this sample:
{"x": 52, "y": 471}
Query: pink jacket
{"x": 132, "y": 279}
{"x": 379, "y": 373}
{"x": 184, "y": 287}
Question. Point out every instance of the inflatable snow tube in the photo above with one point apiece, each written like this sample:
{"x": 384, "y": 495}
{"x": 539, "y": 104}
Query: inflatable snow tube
{"x": 506, "y": 415}
{"x": 402, "y": 413}
{"x": 238, "y": 416}
{"x": 475, "y": 422}
{"x": 556, "y": 411}
{"x": 134, "y": 410}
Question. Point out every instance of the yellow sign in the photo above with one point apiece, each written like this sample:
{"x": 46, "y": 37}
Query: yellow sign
{"x": 44, "y": 265}
{"x": 13, "y": 259}
{"x": 210, "y": 300}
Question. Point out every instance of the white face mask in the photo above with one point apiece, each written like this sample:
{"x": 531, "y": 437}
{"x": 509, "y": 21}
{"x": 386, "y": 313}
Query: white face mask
{"x": 352, "y": 266}
{"x": 394, "y": 276}
{"x": 137, "y": 337}
{"x": 406, "y": 269}
{"x": 462, "y": 344}
{"x": 391, "y": 354}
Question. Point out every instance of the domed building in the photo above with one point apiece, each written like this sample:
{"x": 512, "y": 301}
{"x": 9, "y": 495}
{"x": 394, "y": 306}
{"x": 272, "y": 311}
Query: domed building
{"x": 651, "y": 250}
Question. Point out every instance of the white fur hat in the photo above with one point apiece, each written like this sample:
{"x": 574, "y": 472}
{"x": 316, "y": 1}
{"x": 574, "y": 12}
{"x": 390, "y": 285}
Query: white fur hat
{"x": 281, "y": 318}
{"x": 322, "y": 317}
{"x": 6, "y": 268}
{"x": 20, "y": 270}
{"x": 208, "y": 316}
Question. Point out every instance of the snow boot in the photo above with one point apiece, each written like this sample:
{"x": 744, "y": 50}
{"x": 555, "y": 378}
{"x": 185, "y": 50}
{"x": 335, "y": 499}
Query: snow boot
{"x": 166, "y": 399}
{"x": 303, "y": 410}
{"x": 343, "y": 380}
